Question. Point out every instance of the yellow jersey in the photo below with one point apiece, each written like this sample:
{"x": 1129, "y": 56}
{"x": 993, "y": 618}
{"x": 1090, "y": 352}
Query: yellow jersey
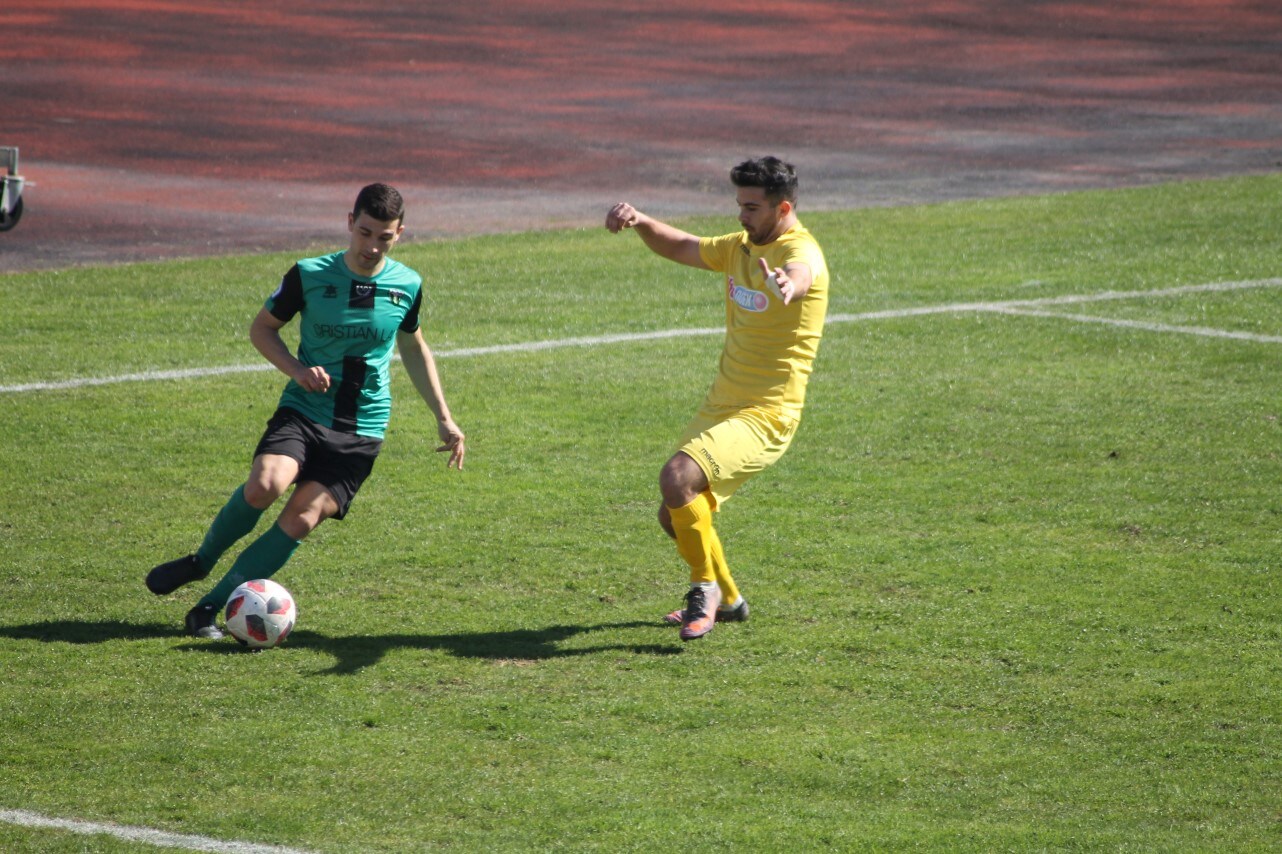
{"x": 770, "y": 347}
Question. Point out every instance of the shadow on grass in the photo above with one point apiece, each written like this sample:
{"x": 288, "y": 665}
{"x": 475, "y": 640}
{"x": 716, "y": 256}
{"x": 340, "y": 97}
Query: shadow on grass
{"x": 357, "y": 652}
{"x": 82, "y": 631}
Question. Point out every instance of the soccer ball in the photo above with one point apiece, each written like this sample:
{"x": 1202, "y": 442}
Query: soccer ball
{"x": 260, "y": 614}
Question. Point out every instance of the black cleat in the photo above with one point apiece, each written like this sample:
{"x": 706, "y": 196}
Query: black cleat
{"x": 734, "y": 615}
{"x": 200, "y": 622}
{"x": 738, "y": 614}
{"x": 168, "y": 577}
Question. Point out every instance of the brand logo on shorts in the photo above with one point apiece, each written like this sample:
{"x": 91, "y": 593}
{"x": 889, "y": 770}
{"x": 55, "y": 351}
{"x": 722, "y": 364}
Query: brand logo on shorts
{"x": 746, "y": 298}
{"x": 712, "y": 464}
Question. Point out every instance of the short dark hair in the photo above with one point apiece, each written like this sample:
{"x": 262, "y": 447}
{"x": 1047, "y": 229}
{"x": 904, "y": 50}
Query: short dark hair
{"x": 380, "y": 201}
{"x": 776, "y": 178}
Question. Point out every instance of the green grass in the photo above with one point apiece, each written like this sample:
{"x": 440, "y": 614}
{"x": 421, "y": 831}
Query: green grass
{"x": 1014, "y": 586}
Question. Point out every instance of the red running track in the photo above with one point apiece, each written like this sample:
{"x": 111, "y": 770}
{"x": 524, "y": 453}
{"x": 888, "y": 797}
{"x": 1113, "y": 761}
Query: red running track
{"x": 154, "y": 129}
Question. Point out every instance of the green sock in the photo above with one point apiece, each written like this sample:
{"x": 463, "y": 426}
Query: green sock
{"x": 237, "y": 518}
{"x": 260, "y": 559}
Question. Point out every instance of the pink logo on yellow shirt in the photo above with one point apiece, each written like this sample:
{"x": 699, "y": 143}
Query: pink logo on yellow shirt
{"x": 746, "y": 298}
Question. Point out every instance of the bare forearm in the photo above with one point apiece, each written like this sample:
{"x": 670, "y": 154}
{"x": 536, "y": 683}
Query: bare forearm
{"x": 661, "y": 238}
{"x": 268, "y": 342}
{"x": 421, "y": 368}
{"x": 264, "y": 334}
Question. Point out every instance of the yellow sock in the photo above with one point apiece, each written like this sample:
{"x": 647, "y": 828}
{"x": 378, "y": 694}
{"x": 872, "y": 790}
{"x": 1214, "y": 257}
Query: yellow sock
{"x": 729, "y": 590}
{"x": 693, "y": 527}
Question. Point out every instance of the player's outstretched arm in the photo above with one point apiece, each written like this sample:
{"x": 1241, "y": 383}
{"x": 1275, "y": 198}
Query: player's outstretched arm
{"x": 421, "y": 367}
{"x": 662, "y": 239}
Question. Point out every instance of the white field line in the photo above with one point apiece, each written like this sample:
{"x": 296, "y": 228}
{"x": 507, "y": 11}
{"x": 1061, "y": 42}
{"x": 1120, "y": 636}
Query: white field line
{"x": 1011, "y": 307}
{"x": 1148, "y": 326}
{"x": 1008, "y": 306}
{"x": 143, "y": 835}
{"x": 197, "y": 373}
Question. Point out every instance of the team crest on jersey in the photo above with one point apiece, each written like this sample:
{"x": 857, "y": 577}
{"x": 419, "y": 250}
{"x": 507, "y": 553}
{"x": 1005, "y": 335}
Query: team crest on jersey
{"x": 361, "y": 295}
{"x": 746, "y": 298}
{"x": 331, "y": 292}
{"x": 398, "y": 297}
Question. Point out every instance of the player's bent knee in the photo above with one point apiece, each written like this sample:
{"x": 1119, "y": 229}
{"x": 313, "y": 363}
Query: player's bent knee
{"x": 270, "y": 476}
{"x": 681, "y": 481}
{"x": 262, "y": 493}
{"x": 298, "y": 526}
{"x": 298, "y": 522}
{"x": 310, "y": 505}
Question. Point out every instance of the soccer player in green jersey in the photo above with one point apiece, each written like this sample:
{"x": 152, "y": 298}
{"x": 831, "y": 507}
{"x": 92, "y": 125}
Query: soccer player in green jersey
{"x": 776, "y": 296}
{"x": 324, "y": 437}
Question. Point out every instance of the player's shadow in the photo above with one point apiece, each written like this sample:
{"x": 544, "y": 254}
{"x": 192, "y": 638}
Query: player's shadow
{"x": 82, "y": 631}
{"x": 356, "y": 652}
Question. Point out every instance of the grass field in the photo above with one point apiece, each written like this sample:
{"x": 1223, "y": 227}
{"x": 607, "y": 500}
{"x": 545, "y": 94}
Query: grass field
{"x": 1014, "y": 587}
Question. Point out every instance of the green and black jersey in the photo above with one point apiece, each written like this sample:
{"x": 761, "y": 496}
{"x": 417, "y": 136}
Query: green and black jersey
{"x": 348, "y": 326}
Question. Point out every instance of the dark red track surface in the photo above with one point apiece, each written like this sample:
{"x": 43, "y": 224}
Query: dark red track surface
{"x": 158, "y": 129}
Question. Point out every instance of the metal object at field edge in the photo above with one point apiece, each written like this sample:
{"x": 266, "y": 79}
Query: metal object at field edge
{"x": 10, "y": 188}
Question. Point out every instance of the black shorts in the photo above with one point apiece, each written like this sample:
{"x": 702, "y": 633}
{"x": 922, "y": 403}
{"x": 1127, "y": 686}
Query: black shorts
{"x": 340, "y": 462}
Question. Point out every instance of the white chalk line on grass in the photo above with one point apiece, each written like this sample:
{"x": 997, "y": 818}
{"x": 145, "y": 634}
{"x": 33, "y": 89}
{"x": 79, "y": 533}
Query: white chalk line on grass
{"x": 1148, "y": 326}
{"x": 198, "y": 373}
{"x": 1028, "y": 307}
{"x": 1010, "y": 306}
{"x": 144, "y": 835}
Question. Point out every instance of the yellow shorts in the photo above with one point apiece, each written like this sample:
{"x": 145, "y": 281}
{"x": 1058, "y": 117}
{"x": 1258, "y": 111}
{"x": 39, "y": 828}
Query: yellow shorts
{"x": 733, "y": 445}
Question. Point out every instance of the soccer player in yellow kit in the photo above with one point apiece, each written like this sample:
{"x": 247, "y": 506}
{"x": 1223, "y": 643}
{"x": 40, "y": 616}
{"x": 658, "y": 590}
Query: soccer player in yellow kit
{"x": 776, "y": 285}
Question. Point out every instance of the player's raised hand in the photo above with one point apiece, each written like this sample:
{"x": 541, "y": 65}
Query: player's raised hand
{"x": 621, "y": 216}
{"x": 778, "y": 281}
